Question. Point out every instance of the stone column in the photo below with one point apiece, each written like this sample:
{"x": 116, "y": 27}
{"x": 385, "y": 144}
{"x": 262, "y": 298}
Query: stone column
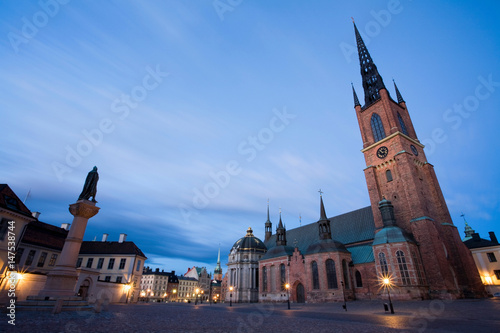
{"x": 61, "y": 281}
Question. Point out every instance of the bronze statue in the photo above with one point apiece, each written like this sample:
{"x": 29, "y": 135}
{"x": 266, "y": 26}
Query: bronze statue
{"x": 90, "y": 186}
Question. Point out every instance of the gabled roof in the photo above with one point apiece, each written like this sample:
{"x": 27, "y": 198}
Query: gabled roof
{"x": 9, "y": 200}
{"x": 46, "y": 235}
{"x": 93, "y": 247}
{"x": 349, "y": 228}
{"x": 476, "y": 242}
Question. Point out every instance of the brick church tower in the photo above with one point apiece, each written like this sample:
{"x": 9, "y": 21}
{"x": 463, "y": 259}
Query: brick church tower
{"x": 397, "y": 171}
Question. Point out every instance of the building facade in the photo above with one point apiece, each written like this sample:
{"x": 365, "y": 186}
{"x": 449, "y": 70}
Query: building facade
{"x": 405, "y": 237}
{"x": 187, "y": 289}
{"x": 159, "y": 286}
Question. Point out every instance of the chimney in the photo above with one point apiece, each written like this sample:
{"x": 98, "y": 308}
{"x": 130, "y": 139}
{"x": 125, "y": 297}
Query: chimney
{"x": 35, "y": 214}
{"x": 493, "y": 237}
{"x": 122, "y": 238}
{"x": 475, "y": 237}
{"x": 65, "y": 226}
{"x": 104, "y": 237}
{"x": 157, "y": 270}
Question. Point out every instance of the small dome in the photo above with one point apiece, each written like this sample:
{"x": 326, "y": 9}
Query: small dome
{"x": 249, "y": 243}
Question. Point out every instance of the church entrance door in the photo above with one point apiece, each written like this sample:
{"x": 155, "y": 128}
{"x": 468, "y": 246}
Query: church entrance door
{"x": 300, "y": 293}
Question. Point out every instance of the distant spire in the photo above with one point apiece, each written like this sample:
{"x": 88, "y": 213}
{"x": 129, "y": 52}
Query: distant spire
{"x": 218, "y": 256}
{"x": 268, "y": 211}
{"x": 321, "y": 208}
{"x": 356, "y": 100}
{"x": 468, "y": 230}
{"x": 372, "y": 81}
{"x": 218, "y": 269}
{"x": 398, "y": 94}
{"x": 280, "y": 233}
{"x": 324, "y": 222}
{"x": 280, "y": 224}
{"x": 268, "y": 225}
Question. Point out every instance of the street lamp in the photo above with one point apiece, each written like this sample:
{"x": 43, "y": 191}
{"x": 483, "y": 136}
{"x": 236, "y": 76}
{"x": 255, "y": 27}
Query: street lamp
{"x": 175, "y": 296}
{"x": 387, "y": 284}
{"x": 287, "y": 286}
{"x": 343, "y": 292}
{"x": 127, "y": 289}
{"x": 196, "y": 299}
{"x": 231, "y": 296}
{"x": 201, "y": 299}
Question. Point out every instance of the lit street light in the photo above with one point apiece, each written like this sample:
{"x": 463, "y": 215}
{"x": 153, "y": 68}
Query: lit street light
{"x": 287, "y": 286}
{"x": 231, "y": 296}
{"x": 196, "y": 299}
{"x": 387, "y": 284}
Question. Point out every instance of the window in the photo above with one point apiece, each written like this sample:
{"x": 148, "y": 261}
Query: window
{"x": 107, "y": 278}
{"x": 383, "y": 264}
{"x": 122, "y": 263}
{"x": 111, "y": 263}
{"x": 315, "y": 276}
{"x": 90, "y": 261}
{"x": 79, "y": 262}
{"x": 497, "y": 273}
{"x": 403, "y": 269}
{"x": 388, "y": 175}
{"x": 377, "y": 128}
{"x": 418, "y": 268}
{"x": 346, "y": 273}
{"x": 403, "y": 126}
{"x": 331, "y": 274}
{"x": 138, "y": 265}
{"x": 118, "y": 279}
{"x": 100, "y": 262}
{"x": 3, "y": 228}
{"x": 359, "y": 281}
{"x": 53, "y": 259}
{"x": 264, "y": 278}
{"x": 29, "y": 259}
{"x": 283, "y": 277}
{"x": 491, "y": 257}
{"x": 41, "y": 260}
{"x": 19, "y": 254}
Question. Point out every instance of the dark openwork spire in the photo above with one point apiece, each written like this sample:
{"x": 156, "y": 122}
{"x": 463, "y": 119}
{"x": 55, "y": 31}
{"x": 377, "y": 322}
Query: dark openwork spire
{"x": 398, "y": 94}
{"x": 324, "y": 222}
{"x": 268, "y": 225}
{"x": 280, "y": 233}
{"x": 372, "y": 81}
{"x": 387, "y": 211}
{"x": 356, "y": 100}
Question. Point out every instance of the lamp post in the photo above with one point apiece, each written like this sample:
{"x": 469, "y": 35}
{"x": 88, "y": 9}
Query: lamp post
{"x": 387, "y": 284}
{"x": 196, "y": 299}
{"x": 343, "y": 293}
{"x": 231, "y": 296}
{"x": 201, "y": 298}
{"x": 175, "y": 295}
{"x": 287, "y": 286}
{"x": 127, "y": 289}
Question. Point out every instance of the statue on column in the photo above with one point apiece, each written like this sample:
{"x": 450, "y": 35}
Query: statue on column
{"x": 90, "y": 186}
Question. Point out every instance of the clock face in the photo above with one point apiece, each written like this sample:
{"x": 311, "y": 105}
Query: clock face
{"x": 414, "y": 150}
{"x": 382, "y": 152}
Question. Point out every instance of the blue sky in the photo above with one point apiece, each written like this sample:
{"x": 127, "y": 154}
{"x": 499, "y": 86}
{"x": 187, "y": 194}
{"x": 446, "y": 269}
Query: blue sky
{"x": 240, "y": 101}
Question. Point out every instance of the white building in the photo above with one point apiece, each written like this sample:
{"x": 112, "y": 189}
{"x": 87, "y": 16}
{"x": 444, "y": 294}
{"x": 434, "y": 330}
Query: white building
{"x": 158, "y": 286}
{"x": 243, "y": 269}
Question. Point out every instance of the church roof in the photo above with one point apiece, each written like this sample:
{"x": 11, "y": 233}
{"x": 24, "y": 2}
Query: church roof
{"x": 250, "y": 243}
{"x": 349, "y": 229}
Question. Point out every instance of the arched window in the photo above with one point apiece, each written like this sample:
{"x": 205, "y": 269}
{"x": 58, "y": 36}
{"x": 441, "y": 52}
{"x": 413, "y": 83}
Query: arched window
{"x": 315, "y": 276}
{"x": 383, "y": 263}
{"x": 331, "y": 274}
{"x": 403, "y": 126}
{"x": 403, "y": 269}
{"x": 359, "y": 282}
{"x": 377, "y": 128}
{"x": 388, "y": 175}
{"x": 283, "y": 276}
{"x": 345, "y": 272}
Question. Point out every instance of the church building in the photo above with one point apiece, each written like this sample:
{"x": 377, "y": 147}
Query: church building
{"x": 406, "y": 235}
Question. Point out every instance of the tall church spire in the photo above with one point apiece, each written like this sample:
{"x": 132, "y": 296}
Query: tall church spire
{"x": 268, "y": 225}
{"x": 372, "y": 81}
{"x": 324, "y": 222}
{"x": 280, "y": 233}
{"x": 398, "y": 94}
{"x": 218, "y": 269}
{"x": 356, "y": 100}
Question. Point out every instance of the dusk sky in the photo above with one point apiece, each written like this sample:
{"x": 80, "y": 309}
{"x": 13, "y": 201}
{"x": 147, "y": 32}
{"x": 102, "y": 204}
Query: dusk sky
{"x": 197, "y": 112}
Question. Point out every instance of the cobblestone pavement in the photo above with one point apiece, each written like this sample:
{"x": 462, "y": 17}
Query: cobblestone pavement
{"x": 361, "y": 316}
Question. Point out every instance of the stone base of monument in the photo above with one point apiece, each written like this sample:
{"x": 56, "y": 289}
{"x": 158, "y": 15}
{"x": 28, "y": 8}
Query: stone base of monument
{"x": 54, "y": 304}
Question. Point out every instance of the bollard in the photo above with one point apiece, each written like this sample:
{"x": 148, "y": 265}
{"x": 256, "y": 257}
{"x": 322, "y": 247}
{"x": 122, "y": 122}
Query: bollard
{"x": 386, "y": 307}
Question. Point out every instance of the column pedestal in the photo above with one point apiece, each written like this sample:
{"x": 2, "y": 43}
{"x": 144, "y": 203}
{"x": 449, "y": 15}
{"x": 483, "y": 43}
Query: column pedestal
{"x": 61, "y": 281}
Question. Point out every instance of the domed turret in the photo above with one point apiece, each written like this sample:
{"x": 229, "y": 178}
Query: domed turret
{"x": 249, "y": 243}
